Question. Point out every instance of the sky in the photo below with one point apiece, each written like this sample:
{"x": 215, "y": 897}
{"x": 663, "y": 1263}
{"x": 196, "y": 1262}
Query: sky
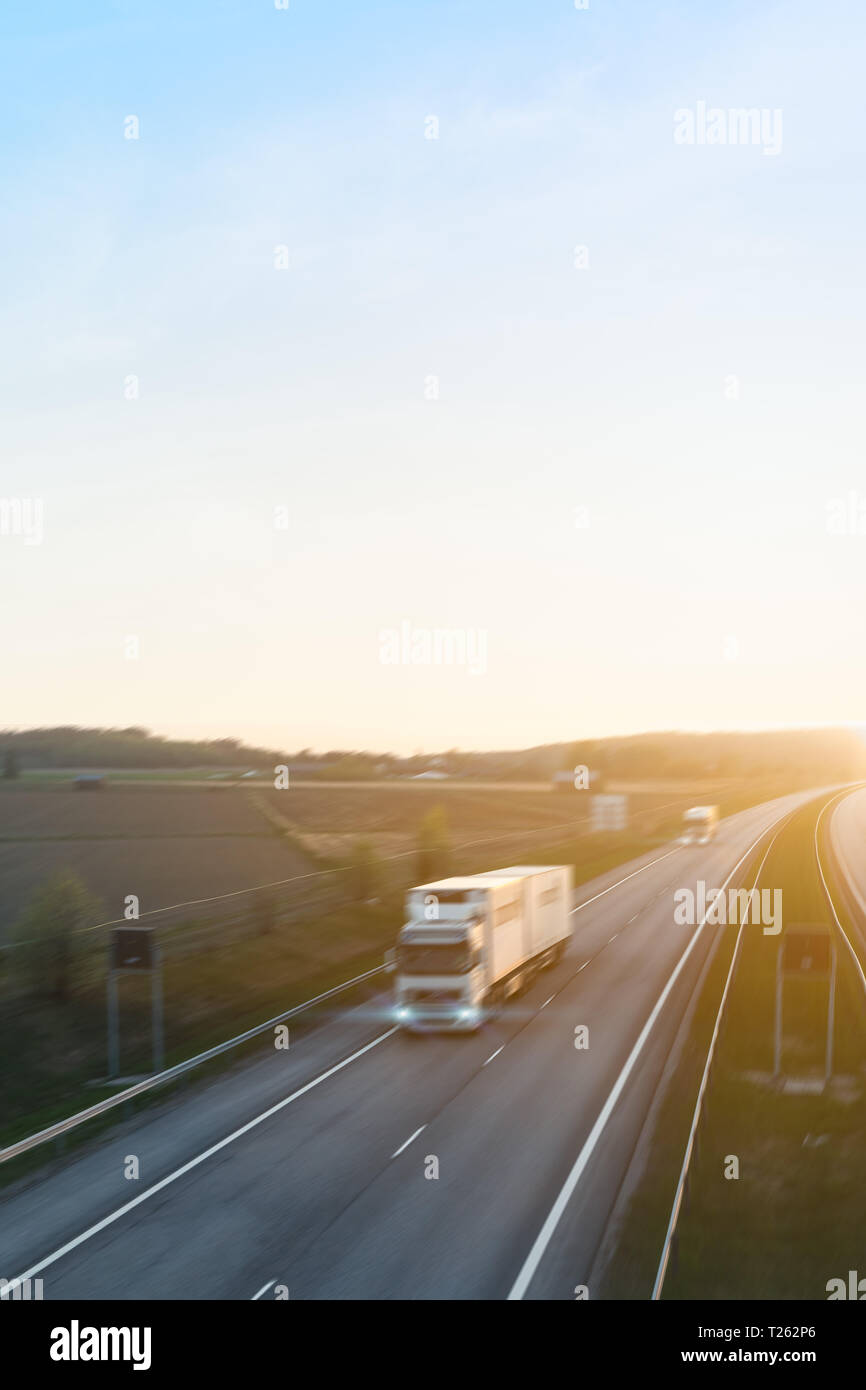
{"x": 338, "y": 340}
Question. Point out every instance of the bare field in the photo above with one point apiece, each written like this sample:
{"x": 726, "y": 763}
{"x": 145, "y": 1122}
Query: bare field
{"x": 495, "y": 818}
{"x": 164, "y": 845}
{"x": 174, "y": 844}
{"x": 160, "y": 872}
{"x": 58, "y": 810}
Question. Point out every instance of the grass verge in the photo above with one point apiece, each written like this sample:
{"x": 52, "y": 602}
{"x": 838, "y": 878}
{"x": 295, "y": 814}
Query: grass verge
{"x": 794, "y": 1218}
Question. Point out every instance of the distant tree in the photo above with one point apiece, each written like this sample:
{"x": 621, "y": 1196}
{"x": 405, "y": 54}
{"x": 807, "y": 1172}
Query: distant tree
{"x": 68, "y": 746}
{"x": 434, "y": 846}
{"x": 49, "y": 943}
{"x": 365, "y": 871}
{"x": 352, "y": 767}
{"x": 10, "y": 763}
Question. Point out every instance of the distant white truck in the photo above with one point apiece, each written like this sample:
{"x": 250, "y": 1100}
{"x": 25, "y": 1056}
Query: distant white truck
{"x": 700, "y": 824}
{"x": 470, "y": 943}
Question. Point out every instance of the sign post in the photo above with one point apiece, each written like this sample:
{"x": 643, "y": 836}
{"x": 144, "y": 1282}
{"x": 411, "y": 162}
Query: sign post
{"x": 113, "y": 1062}
{"x": 806, "y": 952}
{"x": 134, "y": 951}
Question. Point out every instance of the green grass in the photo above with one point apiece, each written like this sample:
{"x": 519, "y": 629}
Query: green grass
{"x": 796, "y": 1216}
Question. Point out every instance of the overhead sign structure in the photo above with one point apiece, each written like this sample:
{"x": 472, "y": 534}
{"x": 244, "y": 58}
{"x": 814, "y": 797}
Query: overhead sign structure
{"x": 609, "y": 812}
{"x": 134, "y": 951}
{"x": 806, "y": 952}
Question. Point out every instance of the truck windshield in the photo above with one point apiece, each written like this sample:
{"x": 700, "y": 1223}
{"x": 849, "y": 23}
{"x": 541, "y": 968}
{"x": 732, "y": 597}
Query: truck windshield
{"x": 453, "y": 958}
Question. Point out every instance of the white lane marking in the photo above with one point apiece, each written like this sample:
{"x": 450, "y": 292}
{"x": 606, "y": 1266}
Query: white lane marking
{"x": 542, "y": 1240}
{"x": 583, "y": 967}
{"x": 499, "y": 1049}
{"x": 620, "y": 881}
{"x": 262, "y": 1290}
{"x": 613, "y": 938}
{"x": 408, "y": 1141}
{"x": 548, "y": 1001}
{"x": 632, "y": 919}
{"x": 193, "y": 1163}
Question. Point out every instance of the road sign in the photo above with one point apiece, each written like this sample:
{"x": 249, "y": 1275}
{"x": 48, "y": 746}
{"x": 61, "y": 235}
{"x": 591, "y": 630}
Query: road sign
{"x": 133, "y": 948}
{"x": 806, "y": 951}
{"x": 609, "y": 812}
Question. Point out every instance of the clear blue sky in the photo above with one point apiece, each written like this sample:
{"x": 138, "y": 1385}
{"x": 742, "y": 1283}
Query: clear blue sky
{"x": 706, "y": 590}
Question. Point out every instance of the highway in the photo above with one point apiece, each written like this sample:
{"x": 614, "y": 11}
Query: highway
{"x": 309, "y": 1168}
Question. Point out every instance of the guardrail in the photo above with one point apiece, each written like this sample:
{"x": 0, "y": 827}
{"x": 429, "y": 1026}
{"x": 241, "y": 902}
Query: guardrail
{"x": 57, "y": 1131}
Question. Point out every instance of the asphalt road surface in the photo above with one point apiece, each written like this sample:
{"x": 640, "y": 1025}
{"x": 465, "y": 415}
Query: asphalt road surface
{"x": 312, "y": 1169}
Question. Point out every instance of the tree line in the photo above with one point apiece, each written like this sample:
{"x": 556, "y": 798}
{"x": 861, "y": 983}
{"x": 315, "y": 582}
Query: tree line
{"x": 802, "y": 754}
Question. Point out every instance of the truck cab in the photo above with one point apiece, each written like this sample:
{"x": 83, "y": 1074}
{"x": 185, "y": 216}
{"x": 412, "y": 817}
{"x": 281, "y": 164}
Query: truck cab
{"x": 440, "y": 958}
{"x": 468, "y": 944}
{"x": 440, "y": 975}
{"x": 700, "y": 824}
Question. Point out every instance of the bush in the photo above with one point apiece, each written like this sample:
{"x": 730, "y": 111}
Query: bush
{"x": 434, "y": 846}
{"x": 365, "y": 871}
{"x": 50, "y": 946}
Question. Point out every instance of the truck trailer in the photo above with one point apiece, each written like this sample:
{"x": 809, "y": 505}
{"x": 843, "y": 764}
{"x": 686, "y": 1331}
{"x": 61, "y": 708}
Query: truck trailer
{"x": 471, "y": 943}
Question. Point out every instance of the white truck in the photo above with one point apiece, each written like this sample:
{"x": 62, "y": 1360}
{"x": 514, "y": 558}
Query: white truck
{"x": 700, "y": 824}
{"x": 470, "y": 943}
